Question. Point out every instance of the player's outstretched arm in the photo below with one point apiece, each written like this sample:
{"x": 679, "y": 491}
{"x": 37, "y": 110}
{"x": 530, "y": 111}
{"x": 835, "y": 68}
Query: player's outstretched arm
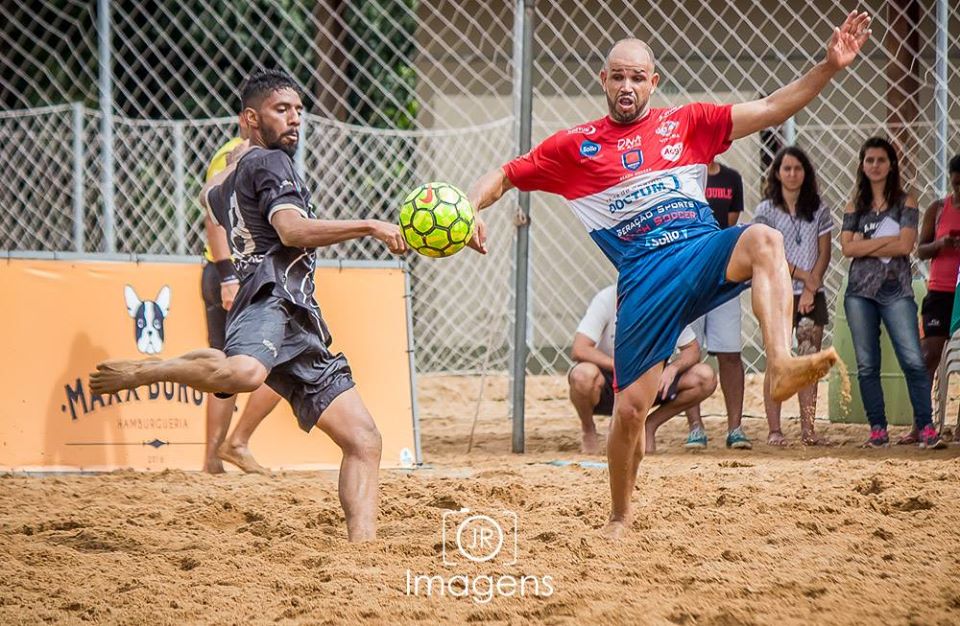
{"x": 482, "y": 193}
{"x": 297, "y": 231}
{"x": 842, "y": 50}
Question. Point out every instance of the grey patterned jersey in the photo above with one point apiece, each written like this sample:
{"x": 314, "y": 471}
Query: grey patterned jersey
{"x": 869, "y": 274}
{"x": 800, "y": 237}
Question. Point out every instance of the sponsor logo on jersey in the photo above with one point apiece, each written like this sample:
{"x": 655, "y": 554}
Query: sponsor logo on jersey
{"x": 632, "y": 160}
{"x": 667, "y": 113}
{"x": 668, "y": 128}
{"x": 589, "y": 149}
{"x": 628, "y": 143}
{"x": 583, "y": 130}
{"x": 672, "y": 152}
{"x": 644, "y": 190}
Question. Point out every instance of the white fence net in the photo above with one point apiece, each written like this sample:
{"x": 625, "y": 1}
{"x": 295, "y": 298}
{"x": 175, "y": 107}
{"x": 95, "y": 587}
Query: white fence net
{"x": 405, "y": 91}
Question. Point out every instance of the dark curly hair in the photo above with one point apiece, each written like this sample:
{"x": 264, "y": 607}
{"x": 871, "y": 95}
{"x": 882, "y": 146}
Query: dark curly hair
{"x": 262, "y": 82}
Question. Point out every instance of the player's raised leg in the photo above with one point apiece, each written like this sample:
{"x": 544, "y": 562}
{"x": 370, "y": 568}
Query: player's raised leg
{"x": 205, "y": 370}
{"x": 352, "y": 428}
{"x": 625, "y": 446}
{"x": 759, "y": 257}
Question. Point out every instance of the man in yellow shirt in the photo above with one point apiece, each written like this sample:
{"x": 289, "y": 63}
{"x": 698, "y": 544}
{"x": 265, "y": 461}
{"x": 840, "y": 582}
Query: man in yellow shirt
{"x": 219, "y": 287}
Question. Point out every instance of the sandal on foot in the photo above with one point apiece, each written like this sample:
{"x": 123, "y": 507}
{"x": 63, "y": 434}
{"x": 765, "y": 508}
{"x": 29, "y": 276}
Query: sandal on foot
{"x": 910, "y": 438}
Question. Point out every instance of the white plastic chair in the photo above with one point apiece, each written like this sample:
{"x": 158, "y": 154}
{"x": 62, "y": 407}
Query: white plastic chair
{"x": 949, "y": 364}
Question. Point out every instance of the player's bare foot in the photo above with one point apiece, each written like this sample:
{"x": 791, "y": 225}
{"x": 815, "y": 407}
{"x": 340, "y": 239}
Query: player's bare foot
{"x": 795, "y": 373}
{"x": 589, "y": 443}
{"x": 213, "y": 466}
{"x": 616, "y": 528}
{"x": 777, "y": 440}
{"x": 813, "y": 439}
{"x": 241, "y": 457}
{"x": 112, "y": 376}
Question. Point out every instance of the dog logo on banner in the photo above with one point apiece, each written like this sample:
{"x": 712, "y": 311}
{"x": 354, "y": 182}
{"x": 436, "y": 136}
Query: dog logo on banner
{"x": 148, "y": 317}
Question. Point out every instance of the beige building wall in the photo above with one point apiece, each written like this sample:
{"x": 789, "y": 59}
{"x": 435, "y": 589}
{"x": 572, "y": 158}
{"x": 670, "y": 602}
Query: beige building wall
{"x": 749, "y": 49}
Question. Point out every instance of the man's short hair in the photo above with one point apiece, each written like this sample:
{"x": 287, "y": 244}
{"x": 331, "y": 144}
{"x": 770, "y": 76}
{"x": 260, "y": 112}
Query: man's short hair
{"x": 263, "y": 82}
{"x": 954, "y": 165}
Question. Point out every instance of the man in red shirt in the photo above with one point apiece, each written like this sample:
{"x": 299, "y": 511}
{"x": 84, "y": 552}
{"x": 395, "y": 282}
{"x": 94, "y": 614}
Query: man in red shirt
{"x": 635, "y": 179}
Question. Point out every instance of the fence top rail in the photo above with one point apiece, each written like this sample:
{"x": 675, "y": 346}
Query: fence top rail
{"x": 36, "y": 111}
{"x": 310, "y": 119}
{"x": 119, "y": 257}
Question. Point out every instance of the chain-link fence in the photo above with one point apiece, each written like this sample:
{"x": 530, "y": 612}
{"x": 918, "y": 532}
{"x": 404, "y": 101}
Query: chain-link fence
{"x": 404, "y": 91}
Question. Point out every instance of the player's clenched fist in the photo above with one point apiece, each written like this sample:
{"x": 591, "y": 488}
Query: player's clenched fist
{"x": 391, "y": 235}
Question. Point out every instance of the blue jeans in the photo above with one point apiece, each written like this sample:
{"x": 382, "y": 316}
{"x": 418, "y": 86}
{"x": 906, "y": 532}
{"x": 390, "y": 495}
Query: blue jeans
{"x": 900, "y": 319}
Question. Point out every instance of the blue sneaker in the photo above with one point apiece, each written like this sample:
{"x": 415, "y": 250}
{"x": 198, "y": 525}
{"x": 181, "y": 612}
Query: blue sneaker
{"x": 737, "y": 440}
{"x": 696, "y": 440}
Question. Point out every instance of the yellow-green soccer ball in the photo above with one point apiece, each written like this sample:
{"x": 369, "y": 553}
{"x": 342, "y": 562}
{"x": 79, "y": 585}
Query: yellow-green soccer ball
{"x": 437, "y": 219}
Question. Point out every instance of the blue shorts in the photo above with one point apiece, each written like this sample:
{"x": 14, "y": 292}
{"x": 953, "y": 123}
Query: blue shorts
{"x": 663, "y": 290}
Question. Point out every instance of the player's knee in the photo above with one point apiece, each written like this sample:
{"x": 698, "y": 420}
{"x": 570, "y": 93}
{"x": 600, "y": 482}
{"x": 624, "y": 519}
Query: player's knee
{"x": 631, "y": 415}
{"x": 244, "y": 374}
{"x": 767, "y": 242}
{"x": 365, "y": 442}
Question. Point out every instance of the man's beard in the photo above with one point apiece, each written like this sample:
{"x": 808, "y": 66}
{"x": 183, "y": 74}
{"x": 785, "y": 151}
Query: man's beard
{"x": 276, "y": 143}
{"x": 620, "y": 118}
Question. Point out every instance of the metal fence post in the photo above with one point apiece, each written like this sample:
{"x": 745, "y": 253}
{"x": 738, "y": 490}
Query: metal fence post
{"x": 78, "y": 188}
{"x": 940, "y": 97}
{"x": 790, "y": 131}
{"x": 524, "y": 13}
{"x": 179, "y": 190}
{"x": 299, "y": 158}
{"x": 106, "y": 122}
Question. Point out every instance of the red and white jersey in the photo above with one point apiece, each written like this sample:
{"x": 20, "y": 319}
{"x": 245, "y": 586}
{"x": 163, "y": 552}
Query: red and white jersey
{"x": 634, "y": 186}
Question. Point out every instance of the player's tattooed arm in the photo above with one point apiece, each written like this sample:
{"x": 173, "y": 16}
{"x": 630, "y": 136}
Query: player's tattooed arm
{"x": 298, "y": 231}
{"x": 842, "y": 50}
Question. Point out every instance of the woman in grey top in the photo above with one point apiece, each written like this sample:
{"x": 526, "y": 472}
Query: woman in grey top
{"x": 879, "y": 233}
{"x": 792, "y": 205}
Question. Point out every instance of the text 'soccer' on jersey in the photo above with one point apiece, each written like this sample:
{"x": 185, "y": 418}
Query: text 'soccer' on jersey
{"x": 634, "y": 186}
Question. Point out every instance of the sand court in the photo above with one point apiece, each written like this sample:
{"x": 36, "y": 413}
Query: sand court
{"x": 834, "y": 535}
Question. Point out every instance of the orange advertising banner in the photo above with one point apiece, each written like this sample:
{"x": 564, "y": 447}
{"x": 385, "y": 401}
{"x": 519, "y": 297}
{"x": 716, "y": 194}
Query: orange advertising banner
{"x": 59, "y": 318}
